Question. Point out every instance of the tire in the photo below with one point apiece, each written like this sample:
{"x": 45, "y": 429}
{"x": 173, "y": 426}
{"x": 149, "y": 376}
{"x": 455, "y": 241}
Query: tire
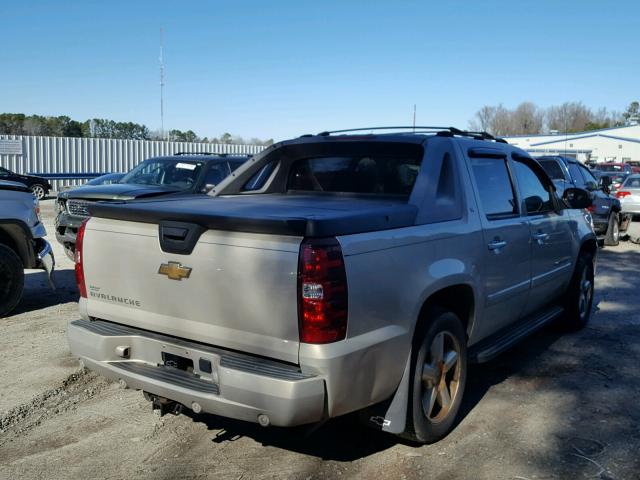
{"x": 579, "y": 297}
{"x": 38, "y": 191}
{"x": 11, "y": 280}
{"x": 431, "y": 416}
{"x": 612, "y": 237}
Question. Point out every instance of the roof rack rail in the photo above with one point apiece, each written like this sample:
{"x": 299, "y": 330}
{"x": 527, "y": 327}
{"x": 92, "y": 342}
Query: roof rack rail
{"x": 216, "y": 154}
{"x": 418, "y": 129}
{"x": 199, "y": 153}
{"x": 409, "y": 128}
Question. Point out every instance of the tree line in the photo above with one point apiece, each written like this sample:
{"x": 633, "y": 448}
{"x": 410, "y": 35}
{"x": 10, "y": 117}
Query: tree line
{"x": 529, "y": 119}
{"x": 64, "y": 126}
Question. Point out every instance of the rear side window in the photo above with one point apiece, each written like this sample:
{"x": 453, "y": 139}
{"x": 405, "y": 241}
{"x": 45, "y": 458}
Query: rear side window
{"x": 553, "y": 169}
{"x": 495, "y": 188}
{"x": 586, "y": 174}
{"x": 575, "y": 173}
{"x": 368, "y": 174}
{"x": 537, "y": 198}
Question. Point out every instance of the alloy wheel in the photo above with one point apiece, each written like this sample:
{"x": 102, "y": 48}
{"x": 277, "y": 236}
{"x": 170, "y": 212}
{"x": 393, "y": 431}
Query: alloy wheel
{"x": 441, "y": 377}
{"x": 585, "y": 294}
{"x": 38, "y": 191}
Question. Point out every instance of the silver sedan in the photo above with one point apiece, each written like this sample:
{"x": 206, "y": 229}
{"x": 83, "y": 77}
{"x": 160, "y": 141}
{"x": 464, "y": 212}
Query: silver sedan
{"x": 629, "y": 194}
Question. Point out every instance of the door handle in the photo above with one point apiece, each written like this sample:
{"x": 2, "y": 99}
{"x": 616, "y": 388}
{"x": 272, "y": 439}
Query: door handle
{"x": 497, "y": 245}
{"x": 541, "y": 237}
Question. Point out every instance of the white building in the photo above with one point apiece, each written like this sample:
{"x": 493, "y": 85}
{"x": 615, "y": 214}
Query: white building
{"x": 617, "y": 144}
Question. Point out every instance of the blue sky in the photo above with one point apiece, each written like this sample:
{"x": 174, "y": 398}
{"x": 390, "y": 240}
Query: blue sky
{"x": 283, "y": 68}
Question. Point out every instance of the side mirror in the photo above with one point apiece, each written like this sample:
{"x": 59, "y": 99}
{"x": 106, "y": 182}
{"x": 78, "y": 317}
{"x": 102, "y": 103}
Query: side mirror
{"x": 591, "y": 186}
{"x": 577, "y": 198}
{"x": 533, "y": 204}
{"x": 605, "y": 184}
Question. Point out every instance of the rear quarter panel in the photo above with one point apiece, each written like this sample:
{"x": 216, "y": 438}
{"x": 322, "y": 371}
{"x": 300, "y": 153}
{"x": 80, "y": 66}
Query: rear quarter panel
{"x": 390, "y": 275}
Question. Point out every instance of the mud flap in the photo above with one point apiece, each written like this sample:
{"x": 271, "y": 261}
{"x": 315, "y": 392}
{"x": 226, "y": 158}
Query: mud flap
{"x": 391, "y": 415}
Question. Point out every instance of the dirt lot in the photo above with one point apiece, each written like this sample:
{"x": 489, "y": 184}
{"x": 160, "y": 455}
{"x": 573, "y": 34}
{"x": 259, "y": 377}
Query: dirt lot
{"x": 558, "y": 406}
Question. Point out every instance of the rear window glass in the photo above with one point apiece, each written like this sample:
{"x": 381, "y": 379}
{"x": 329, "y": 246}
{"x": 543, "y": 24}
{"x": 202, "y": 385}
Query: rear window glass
{"x": 365, "y": 174}
{"x": 260, "y": 178}
{"x": 553, "y": 169}
{"x": 611, "y": 167}
{"x": 632, "y": 182}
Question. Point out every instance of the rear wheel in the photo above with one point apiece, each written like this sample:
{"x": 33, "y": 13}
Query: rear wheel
{"x": 612, "y": 237}
{"x": 579, "y": 296}
{"x": 439, "y": 374}
{"x": 38, "y": 191}
{"x": 11, "y": 280}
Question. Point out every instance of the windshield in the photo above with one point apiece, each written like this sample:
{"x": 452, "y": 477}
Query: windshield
{"x": 177, "y": 174}
{"x": 105, "y": 179}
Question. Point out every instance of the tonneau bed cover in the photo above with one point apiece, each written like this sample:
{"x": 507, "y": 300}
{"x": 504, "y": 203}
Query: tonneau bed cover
{"x": 310, "y": 215}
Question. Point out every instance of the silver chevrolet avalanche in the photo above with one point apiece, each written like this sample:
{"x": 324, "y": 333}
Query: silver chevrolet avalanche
{"x": 359, "y": 270}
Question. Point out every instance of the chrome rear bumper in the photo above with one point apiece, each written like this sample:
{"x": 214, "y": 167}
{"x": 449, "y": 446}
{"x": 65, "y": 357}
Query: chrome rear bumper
{"x": 220, "y": 382}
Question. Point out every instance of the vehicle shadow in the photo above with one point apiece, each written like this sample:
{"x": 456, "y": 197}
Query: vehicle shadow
{"x": 342, "y": 439}
{"x": 346, "y": 438}
{"x": 38, "y": 293}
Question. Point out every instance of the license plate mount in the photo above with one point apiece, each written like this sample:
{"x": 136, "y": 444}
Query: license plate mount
{"x": 176, "y": 361}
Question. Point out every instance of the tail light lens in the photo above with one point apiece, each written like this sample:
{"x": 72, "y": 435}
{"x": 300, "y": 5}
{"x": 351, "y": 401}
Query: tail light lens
{"x": 36, "y": 209}
{"x": 79, "y": 258}
{"x": 622, "y": 194}
{"x": 591, "y": 208}
{"x": 322, "y": 291}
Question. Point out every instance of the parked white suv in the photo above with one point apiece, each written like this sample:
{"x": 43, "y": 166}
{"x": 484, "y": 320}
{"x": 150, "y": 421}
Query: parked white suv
{"x": 22, "y": 243}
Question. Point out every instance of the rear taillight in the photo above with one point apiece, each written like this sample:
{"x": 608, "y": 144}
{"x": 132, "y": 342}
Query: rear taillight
{"x": 36, "y": 209}
{"x": 79, "y": 258}
{"x": 622, "y": 194}
{"x": 322, "y": 291}
{"x": 591, "y": 208}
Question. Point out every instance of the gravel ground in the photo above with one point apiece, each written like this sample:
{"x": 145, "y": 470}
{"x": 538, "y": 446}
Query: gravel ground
{"x": 558, "y": 406}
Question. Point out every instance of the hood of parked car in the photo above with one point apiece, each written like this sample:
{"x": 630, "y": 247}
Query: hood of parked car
{"x": 16, "y": 186}
{"x": 117, "y": 191}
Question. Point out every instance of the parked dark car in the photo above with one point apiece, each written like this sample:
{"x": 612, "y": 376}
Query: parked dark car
{"x": 179, "y": 174}
{"x": 616, "y": 167}
{"x": 608, "y": 219}
{"x": 39, "y": 186}
{"x": 106, "y": 179}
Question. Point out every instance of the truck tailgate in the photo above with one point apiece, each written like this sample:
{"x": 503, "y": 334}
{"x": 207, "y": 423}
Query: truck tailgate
{"x": 237, "y": 290}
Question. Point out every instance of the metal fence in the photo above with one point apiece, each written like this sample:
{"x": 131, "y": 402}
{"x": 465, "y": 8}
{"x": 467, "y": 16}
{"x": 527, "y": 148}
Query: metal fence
{"x": 63, "y": 155}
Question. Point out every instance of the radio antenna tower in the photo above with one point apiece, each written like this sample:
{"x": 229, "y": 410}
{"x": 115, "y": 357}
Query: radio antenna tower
{"x": 161, "y": 83}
